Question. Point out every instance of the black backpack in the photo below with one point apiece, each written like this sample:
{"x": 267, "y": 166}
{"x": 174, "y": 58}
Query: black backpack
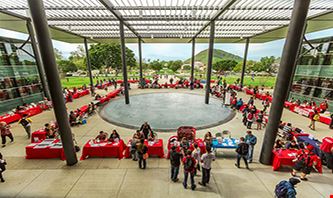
{"x": 243, "y": 149}
{"x": 24, "y": 122}
{"x": 188, "y": 163}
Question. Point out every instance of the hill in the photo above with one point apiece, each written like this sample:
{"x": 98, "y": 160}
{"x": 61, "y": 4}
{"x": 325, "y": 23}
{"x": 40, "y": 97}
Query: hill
{"x": 217, "y": 56}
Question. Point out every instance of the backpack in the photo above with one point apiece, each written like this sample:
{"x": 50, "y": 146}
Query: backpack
{"x": 243, "y": 149}
{"x": 188, "y": 163}
{"x": 281, "y": 189}
{"x": 24, "y": 122}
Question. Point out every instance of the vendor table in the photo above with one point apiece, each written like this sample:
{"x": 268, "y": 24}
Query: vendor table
{"x": 38, "y": 135}
{"x": 327, "y": 144}
{"x": 154, "y": 148}
{"x": 227, "y": 143}
{"x": 286, "y": 157}
{"x": 47, "y": 149}
{"x": 31, "y": 111}
{"x": 103, "y": 149}
{"x": 312, "y": 142}
{"x": 10, "y": 118}
{"x": 325, "y": 119}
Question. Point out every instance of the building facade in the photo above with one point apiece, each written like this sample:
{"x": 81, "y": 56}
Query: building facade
{"x": 313, "y": 77}
{"x": 19, "y": 78}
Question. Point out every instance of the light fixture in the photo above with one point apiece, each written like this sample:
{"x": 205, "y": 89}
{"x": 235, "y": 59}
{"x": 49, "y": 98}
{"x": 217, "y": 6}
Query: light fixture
{"x": 152, "y": 36}
{"x": 91, "y": 37}
{"x": 263, "y": 28}
{"x": 181, "y": 37}
{"x": 194, "y": 13}
{"x": 241, "y": 37}
{"x": 140, "y": 13}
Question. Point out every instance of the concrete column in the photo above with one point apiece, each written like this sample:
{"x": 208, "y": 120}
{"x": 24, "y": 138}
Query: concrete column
{"x": 140, "y": 59}
{"x": 288, "y": 62}
{"x": 244, "y": 61}
{"x": 89, "y": 66}
{"x": 192, "y": 63}
{"x": 39, "y": 62}
{"x": 210, "y": 60}
{"x": 46, "y": 50}
{"x": 123, "y": 60}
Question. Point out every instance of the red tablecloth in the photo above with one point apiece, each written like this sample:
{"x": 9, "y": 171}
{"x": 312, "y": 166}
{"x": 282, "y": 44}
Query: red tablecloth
{"x": 324, "y": 119}
{"x": 303, "y": 111}
{"x": 76, "y": 95}
{"x": 38, "y": 136}
{"x": 31, "y": 111}
{"x": 155, "y": 149}
{"x": 44, "y": 153}
{"x": 327, "y": 144}
{"x": 103, "y": 149}
{"x": 103, "y": 99}
{"x": 10, "y": 118}
{"x": 83, "y": 92}
{"x": 286, "y": 157}
{"x": 295, "y": 134}
{"x": 84, "y": 108}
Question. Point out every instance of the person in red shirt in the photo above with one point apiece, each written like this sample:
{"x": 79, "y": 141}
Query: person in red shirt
{"x": 305, "y": 160}
{"x": 323, "y": 106}
{"x": 189, "y": 168}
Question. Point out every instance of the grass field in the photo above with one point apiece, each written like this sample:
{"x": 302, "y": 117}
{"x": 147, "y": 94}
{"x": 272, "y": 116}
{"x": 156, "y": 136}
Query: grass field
{"x": 266, "y": 81}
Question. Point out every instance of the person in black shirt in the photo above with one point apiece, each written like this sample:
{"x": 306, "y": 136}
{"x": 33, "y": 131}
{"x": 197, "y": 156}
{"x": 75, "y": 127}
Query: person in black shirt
{"x": 175, "y": 158}
{"x": 242, "y": 152}
{"x": 145, "y": 128}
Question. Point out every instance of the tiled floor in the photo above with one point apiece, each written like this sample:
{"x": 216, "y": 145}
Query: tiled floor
{"x": 121, "y": 178}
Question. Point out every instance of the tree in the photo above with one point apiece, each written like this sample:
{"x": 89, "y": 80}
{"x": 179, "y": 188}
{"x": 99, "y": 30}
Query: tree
{"x": 67, "y": 66}
{"x": 109, "y": 55}
{"x": 58, "y": 54}
{"x": 156, "y": 65}
{"x": 175, "y": 65}
{"x": 267, "y": 63}
{"x": 224, "y": 65}
{"x": 78, "y": 57}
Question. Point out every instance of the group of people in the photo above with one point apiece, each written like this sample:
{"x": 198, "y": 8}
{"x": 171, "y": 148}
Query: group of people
{"x": 78, "y": 117}
{"x": 252, "y": 115}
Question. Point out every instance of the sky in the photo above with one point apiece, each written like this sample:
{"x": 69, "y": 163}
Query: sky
{"x": 177, "y": 51}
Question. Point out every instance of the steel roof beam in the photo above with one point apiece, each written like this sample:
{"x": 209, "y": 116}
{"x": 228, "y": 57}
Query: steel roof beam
{"x": 89, "y": 18}
{"x": 108, "y": 5}
{"x": 216, "y": 16}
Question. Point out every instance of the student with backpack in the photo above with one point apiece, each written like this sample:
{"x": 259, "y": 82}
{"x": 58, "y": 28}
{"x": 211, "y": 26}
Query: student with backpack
{"x": 2, "y": 167}
{"x": 304, "y": 162}
{"x": 189, "y": 168}
{"x": 26, "y": 123}
{"x": 175, "y": 158}
{"x": 142, "y": 151}
{"x": 286, "y": 189}
{"x": 242, "y": 152}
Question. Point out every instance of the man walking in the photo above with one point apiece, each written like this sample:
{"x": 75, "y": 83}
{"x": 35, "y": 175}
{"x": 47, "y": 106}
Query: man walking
{"x": 242, "y": 152}
{"x": 206, "y": 160}
{"x": 26, "y": 123}
{"x": 189, "y": 168}
{"x": 251, "y": 140}
{"x": 175, "y": 158}
{"x": 2, "y": 167}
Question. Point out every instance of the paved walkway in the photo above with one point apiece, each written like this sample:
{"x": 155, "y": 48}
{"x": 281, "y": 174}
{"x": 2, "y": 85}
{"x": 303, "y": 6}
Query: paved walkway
{"x": 121, "y": 178}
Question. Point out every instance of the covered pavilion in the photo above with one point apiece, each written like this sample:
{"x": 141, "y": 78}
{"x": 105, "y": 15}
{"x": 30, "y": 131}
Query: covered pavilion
{"x": 177, "y": 21}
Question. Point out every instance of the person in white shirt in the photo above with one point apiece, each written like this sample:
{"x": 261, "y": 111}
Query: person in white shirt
{"x": 206, "y": 160}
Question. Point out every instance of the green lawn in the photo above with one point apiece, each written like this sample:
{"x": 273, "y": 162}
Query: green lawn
{"x": 266, "y": 81}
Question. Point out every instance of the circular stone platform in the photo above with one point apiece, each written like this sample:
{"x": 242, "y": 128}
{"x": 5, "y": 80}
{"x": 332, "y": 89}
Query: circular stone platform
{"x": 166, "y": 111}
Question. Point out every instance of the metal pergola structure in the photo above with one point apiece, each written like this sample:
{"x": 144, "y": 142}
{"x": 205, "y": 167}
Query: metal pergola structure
{"x": 173, "y": 21}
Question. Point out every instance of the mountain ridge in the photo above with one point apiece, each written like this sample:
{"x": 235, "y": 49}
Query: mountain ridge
{"x": 218, "y": 55}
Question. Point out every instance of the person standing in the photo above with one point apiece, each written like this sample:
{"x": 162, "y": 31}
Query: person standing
{"x": 286, "y": 189}
{"x": 145, "y": 128}
{"x": 26, "y": 123}
{"x": 251, "y": 140}
{"x": 314, "y": 117}
{"x": 189, "y": 168}
{"x": 142, "y": 150}
{"x": 331, "y": 124}
{"x": 250, "y": 119}
{"x": 2, "y": 167}
{"x": 206, "y": 160}
{"x": 5, "y": 132}
{"x": 197, "y": 156}
{"x": 175, "y": 158}
{"x": 260, "y": 119}
{"x": 242, "y": 152}
{"x": 304, "y": 162}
